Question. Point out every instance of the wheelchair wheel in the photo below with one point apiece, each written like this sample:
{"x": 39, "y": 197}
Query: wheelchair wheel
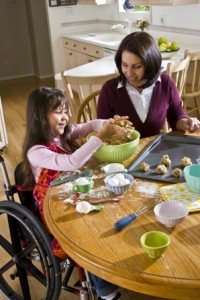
{"x": 31, "y": 271}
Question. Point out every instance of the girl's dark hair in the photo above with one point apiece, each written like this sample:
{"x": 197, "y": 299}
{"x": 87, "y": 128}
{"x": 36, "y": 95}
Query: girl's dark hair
{"x": 144, "y": 46}
{"x": 38, "y": 132}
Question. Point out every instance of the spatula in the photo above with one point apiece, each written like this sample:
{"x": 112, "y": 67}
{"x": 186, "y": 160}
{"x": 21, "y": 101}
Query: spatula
{"x": 86, "y": 173}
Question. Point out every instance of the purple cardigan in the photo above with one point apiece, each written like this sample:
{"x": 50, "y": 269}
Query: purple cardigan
{"x": 165, "y": 103}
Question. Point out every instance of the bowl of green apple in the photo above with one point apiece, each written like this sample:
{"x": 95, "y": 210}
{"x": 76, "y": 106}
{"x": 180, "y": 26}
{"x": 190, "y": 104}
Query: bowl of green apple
{"x": 167, "y": 49}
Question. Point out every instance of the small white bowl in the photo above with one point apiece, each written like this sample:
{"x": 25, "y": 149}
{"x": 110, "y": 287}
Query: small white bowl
{"x": 170, "y": 213}
{"x": 114, "y": 168}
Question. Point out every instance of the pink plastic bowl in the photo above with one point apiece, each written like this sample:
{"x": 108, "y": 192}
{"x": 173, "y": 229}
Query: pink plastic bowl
{"x": 170, "y": 213}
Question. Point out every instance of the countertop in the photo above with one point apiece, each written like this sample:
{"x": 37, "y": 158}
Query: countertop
{"x": 98, "y": 67}
{"x": 106, "y": 65}
{"x": 105, "y": 39}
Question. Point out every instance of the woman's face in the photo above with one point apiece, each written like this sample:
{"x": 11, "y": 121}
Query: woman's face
{"x": 132, "y": 68}
{"x": 58, "y": 119}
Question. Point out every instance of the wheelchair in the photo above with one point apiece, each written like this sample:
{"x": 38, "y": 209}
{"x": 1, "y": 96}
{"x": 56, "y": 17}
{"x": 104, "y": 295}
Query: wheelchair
{"x": 25, "y": 245}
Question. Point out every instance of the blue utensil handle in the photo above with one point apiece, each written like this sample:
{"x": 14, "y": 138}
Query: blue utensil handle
{"x": 121, "y": 224}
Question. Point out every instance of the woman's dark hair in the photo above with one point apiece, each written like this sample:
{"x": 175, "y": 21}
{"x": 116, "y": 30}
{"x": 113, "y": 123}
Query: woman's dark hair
{"x": 144, "y": 46}
{"x": 38, "y": 132}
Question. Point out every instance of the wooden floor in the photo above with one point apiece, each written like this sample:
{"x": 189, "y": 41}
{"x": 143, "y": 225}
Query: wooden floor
{"x": 14, "y": 95}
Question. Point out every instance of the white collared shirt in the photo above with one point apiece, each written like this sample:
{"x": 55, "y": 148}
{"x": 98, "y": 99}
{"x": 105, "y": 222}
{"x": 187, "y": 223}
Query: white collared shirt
{"x": 141, "y": 101}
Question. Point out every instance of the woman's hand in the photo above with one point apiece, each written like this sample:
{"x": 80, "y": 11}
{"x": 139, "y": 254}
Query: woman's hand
{"x": 123, "y": 120}
{"x": 110, "y": 127}
{"x": 191, "y": 125}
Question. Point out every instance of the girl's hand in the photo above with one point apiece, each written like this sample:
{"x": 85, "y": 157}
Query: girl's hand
{"x": 109, "y": 128}
{"x": 191, "y": 125}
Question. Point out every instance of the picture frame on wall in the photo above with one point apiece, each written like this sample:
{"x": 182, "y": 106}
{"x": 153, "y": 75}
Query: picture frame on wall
{"x": 53, "y": 3}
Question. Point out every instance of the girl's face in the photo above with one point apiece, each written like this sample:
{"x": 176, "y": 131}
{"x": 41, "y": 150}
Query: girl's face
{"x": 132, "y": 68}
{"x": 58, "y": 119}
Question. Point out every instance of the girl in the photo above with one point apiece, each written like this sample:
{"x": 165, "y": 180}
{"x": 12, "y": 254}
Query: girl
{"x": 50, "y": 148}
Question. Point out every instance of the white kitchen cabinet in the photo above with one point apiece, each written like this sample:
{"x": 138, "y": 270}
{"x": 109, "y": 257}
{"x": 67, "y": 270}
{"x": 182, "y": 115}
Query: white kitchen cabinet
{"x": 164, "y": 2}
{"x": 79, "y": 53}
{"x": 96, "y": 1}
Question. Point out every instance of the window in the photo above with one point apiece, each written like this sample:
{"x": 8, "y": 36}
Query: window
{"x": 128, "y": 6}
{"x": 135, "y": 13}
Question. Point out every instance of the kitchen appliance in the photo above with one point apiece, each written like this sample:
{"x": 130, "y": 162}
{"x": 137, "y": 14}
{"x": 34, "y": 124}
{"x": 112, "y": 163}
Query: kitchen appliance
{"x": 62, "y": 2}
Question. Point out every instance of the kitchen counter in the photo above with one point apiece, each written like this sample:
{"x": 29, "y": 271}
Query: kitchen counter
{"x": 108, "y": 39}
{"x": 98, "y": 67}
{"x": 106, "y": 65}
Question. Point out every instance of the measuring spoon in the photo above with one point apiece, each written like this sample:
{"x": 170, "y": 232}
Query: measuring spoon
{"x": 85, "y": 207}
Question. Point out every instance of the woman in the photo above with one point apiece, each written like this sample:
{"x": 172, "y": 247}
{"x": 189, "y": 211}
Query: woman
{"x": 141, "y": 91}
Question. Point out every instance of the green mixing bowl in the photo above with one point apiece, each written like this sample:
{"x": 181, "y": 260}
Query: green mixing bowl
{"x": 117, "y": 153}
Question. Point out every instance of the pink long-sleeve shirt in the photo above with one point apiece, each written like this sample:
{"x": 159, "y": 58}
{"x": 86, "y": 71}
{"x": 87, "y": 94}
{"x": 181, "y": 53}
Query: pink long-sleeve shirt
{"x": 40, "y": 156}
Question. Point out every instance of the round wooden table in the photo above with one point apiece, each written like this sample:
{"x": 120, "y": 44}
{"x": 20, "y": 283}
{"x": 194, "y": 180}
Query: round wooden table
{"x": 117, "y": 256}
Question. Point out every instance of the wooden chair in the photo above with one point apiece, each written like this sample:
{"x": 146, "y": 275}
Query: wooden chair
{"x": 178, "y": 71}
{"x": 87, "y": 111}
{"x": 77, "y": 88}
{"x": 191, "y": 92}
{"x": 88, "y": 108}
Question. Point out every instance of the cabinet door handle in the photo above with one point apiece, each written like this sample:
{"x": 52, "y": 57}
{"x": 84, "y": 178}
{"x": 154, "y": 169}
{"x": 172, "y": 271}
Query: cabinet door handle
{"x": 74, "y": 45}
{"x": 97, "y": 52}
{"x": 70, "y": 53}
{"x": 84, "y": 48}
{"x": 66, "y": 43}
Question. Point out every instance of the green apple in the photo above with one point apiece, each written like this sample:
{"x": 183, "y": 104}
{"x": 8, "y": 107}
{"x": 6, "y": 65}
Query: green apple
{"x": 174, "y": 46}
{"x": 163, "y": 47}
{"x": 162, "y": 40}
{"x": 168, "y": 45}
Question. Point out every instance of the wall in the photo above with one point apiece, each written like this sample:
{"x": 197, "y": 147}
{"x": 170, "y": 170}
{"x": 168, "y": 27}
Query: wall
{"x": 15, "y": 50}
{"x": 40, "y": 40}
{"x": 25, "y": 49}
{"x": 63, "y": 20}
{"x": 68, "y": 19}
{"x": 178, "y": 16}
{"x": 25, "y": 44}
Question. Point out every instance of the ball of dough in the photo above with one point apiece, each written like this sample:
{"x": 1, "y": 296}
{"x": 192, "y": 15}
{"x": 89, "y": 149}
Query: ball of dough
{"x": 165, "y": 160}
{"x": 177, "y": 172}
{"x": 185, "y": 161}
{"x": 144, "y": 167}
{"x": 161, "y": 169}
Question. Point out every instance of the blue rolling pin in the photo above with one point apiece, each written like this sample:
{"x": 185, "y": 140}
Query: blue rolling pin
{"x": 122, "y": 223}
